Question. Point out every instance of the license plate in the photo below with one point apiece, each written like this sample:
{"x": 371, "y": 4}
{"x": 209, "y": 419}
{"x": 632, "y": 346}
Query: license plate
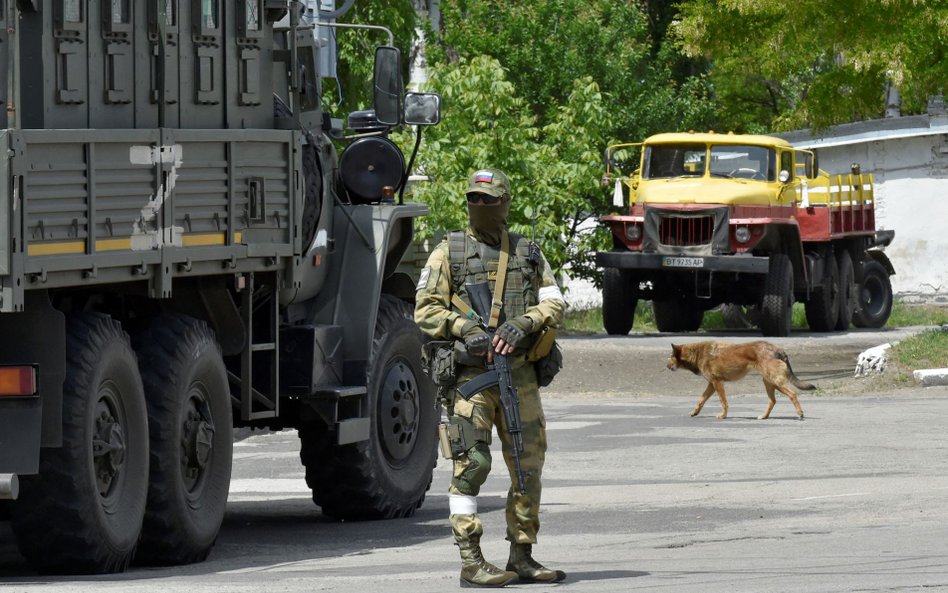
{"x": 682, "y": 262}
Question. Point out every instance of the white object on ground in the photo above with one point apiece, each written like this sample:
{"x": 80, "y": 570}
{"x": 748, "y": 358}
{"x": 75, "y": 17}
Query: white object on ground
{"x": 873, "y": 359}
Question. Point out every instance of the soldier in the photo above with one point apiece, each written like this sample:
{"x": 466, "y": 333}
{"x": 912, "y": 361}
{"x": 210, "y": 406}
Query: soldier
{"x": 531, "y": 302}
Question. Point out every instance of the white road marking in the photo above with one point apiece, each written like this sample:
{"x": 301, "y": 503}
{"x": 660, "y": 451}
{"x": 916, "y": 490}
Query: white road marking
{"x": 831, "y": 496}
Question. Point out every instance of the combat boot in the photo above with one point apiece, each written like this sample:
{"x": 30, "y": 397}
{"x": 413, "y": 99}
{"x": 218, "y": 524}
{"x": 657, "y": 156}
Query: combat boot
{"x": 529, "y": 570}
{"x": 477, "y": 572}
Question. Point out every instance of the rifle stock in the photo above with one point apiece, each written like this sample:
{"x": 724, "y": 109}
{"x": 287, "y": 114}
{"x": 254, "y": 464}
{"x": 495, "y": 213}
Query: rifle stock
{"x": 499, "y": 374}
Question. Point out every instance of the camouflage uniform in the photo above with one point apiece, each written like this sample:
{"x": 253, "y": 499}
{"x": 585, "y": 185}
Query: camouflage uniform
{"x": 530, "y": 291}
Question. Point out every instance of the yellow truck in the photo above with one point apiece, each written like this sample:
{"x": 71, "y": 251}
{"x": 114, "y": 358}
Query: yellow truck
{"x": 744, "y": 221}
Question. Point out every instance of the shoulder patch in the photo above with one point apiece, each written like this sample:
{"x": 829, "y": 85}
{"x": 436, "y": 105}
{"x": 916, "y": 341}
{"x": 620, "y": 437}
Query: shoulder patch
{"x": 423, "y": 279}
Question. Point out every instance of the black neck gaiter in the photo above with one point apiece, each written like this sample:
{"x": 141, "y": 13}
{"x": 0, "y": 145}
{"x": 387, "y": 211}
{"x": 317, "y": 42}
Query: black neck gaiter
{"x": 488, "y": 222}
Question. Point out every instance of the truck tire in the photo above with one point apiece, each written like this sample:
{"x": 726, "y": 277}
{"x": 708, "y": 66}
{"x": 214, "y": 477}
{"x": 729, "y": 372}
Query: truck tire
{"x": 618, "y": 302}
{"x": 776, "y": 306}
{"x": 677, "y": 315}
{"x": 873, "y": 296}
{"x": 847, "y": 290}
{"x": 189, "y": 417}
{"x": 822, "y": 308}
{"x": 388, "y": 475}
{"x": 82, "y": 514}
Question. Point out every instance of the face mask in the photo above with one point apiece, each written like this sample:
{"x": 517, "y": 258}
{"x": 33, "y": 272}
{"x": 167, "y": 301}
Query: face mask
{"x": 488, "y": 222}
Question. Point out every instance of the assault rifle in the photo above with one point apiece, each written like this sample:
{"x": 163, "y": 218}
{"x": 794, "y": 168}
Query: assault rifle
{"x": 498, "y": 374}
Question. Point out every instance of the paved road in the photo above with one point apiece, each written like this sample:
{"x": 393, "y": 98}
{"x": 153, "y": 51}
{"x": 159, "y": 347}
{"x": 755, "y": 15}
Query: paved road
{"x": 637, "y": 495}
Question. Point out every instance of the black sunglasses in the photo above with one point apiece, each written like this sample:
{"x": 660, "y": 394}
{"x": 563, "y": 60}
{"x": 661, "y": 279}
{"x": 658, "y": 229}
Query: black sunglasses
{"x": 475, "y": 197}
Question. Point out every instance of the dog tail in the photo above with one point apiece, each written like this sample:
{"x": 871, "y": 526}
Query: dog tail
{"x": 793, "y": 377}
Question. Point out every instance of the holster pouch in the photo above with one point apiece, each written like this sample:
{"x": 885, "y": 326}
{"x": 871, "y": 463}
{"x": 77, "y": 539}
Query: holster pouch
{"x": 437, "y": 362}
{"x": 444, "y": 440}
{"x": 457, "y": 435}
{"x": 549, "y": 366}
{"x": 542, "y": 345}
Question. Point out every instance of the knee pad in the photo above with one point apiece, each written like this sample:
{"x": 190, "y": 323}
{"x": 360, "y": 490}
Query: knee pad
{"x": 476, "y": 468}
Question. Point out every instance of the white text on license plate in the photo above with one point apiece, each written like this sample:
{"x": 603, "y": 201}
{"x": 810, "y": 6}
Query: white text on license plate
{"x": 682, "y": 262}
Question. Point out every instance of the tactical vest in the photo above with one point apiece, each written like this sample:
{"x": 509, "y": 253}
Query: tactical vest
{"x": 472, "y": 261}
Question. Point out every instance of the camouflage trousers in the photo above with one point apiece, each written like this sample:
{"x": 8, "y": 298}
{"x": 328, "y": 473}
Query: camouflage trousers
{"x": 484, "y": 411}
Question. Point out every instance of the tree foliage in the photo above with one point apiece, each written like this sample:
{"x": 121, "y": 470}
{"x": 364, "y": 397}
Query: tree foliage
{"x": 546, "y": 45}
{"x": 539, "y": 89}
{"x": 485, "y": 123}
{"x": 813, "y": 63}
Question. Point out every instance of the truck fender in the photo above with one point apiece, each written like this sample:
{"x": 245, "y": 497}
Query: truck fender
{"x": 882, "y": 258}
{"x": 791, "y": 244}
{"x": 369, "y": 243}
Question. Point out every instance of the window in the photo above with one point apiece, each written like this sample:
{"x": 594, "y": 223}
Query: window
{"x": 743, "y": 162}
{"x": 674, "y": 160}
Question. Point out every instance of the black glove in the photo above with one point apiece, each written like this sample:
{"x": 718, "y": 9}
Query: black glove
{"x": 513, "y": 331}
{"x": 476, "y": 340}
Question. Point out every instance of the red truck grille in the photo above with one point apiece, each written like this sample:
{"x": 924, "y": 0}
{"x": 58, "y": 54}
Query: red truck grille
{"x": 681, "y": 231}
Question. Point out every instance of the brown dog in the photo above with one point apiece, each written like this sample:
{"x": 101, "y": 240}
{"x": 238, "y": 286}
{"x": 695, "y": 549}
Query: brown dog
{"x": 719, "y": 362}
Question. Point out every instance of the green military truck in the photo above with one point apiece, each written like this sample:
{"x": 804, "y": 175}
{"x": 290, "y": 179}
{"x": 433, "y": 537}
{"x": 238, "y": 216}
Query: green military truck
{"x": 181, "y": 253}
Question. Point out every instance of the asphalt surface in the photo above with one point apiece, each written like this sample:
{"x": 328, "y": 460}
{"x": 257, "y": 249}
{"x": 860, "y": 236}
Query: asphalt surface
{"x": 637, "y": 495}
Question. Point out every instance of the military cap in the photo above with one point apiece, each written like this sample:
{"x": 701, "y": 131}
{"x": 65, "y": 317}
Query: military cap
{"x": 492, "y": 182}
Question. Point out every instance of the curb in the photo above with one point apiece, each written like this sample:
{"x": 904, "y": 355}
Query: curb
{"x": 931, "y": 377}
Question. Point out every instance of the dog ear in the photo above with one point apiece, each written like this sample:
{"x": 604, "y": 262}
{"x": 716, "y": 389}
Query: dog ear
{"x": 676, "y": 349}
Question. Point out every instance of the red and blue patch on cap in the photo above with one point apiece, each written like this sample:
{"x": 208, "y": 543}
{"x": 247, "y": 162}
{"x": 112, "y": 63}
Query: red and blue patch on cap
{"x": 483, "y": 177}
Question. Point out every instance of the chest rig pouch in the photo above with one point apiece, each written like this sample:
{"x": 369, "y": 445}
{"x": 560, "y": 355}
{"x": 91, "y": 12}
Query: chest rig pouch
{"x": 472, "y": 262}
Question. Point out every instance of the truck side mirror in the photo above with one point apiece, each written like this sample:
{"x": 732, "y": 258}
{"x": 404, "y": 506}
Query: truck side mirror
{"x": 422, "y": 109}
{"x": 608, "y": 158}
{"x": 388, "y": 85}
{"x": 784, "y": 176}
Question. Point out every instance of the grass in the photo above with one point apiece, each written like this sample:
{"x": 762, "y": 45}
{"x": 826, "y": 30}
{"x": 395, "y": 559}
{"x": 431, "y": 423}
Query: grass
{"x": 589, "y": 321}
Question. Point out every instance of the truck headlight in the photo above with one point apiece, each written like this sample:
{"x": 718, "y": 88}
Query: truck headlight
{"x": 742, "y": 234}
{"x": 633, "y": 232}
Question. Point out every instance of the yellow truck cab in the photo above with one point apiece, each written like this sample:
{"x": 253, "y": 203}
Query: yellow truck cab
{"x": 745, "y": 221}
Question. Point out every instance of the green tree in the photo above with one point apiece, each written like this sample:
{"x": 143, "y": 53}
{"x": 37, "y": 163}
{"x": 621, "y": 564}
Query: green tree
{"x": 815, "y": 63}
{"x": 546, "y": 45}
{"x": 539, "y": 89}
{"x": 553, "y": 169}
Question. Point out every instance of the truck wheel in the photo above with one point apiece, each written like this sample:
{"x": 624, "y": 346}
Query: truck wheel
{"x": 822, "y": 308}
{"x": 847, "y": 290}
{"x": 677, "y": 315}
{"x": 82, "y": 514}
{"x": 189, "y": 416}
{"x": 618, "y": 303}
{"x": 776, "y": 307}
{"x": 386, "y": 476}
{"x": 873, "y": 296}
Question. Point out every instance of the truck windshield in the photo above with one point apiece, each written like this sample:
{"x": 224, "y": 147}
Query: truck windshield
{"x": 674, "y": 160}
{"x": 743, "y": 162}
